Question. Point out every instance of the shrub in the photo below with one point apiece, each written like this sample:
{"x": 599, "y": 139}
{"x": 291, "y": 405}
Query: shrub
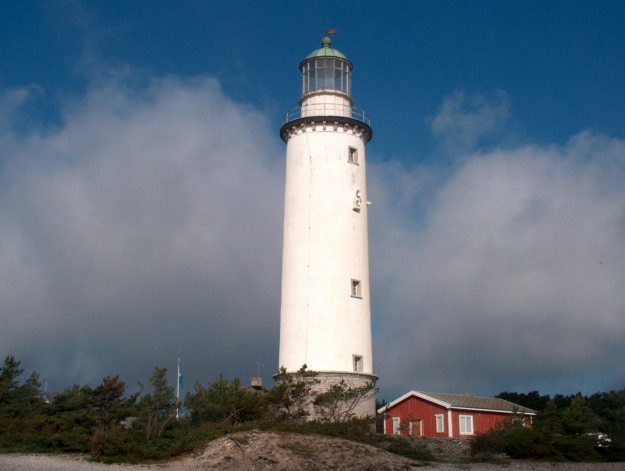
{"x": 289, "y": 399}
{"x": 412, "y": 449}
{"x": 577, "y": 448}
{"x": 225, "y": 402}
{"x": 513, "y": 439}
{"x": 157, "y": 410}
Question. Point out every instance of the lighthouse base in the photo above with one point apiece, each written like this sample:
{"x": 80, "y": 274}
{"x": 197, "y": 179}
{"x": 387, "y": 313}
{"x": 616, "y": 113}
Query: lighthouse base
{"x": 335, "y": 396}
{"x": 361, "y": 405}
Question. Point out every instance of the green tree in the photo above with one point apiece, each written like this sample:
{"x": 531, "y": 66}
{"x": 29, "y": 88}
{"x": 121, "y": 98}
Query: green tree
{"x": 108, "y": 406}
{"x": 9, "y": 373}
{"x": 158, "y": 408}
{"x": 290, "y": 399}
{"x": 15, "y": 399}
{"x": 549, "y": 420}
{"x": 225, "y": 402}
{"x": 533, "y": 399}
{"x": 576, "y": 419}
{"x": 20, "y": 405}
{"x": 69, "y": 423}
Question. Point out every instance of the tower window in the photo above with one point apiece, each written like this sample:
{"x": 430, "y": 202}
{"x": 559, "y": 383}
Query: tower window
{"x": 356, "y": 291}
{"x": 352, "y": 155}
{"x": 357, "y": 363}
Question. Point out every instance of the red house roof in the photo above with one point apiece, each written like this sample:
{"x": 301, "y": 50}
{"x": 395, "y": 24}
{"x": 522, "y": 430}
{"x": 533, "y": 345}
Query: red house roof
{"x": 464, "y": 401}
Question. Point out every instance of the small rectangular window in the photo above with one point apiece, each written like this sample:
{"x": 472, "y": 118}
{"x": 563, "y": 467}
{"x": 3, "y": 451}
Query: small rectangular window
{"x": 356, "y": 291}
{"x": 440, "y": 423}
{"x": 396, "y": 426}
{"x": 352, "y": 155}
{"x": 466, "y": 425}
{"x": 357, "y": 363}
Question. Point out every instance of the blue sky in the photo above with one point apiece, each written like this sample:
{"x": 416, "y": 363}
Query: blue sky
{"x": 558, "y": 61}
{"x": 496, "y": 169}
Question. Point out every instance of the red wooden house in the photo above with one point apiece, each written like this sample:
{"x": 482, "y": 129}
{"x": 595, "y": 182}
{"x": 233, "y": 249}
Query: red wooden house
{"x": 449, "y": 415}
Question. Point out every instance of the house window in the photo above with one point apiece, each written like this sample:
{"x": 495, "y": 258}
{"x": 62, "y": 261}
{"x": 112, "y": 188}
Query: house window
{"x": 352, "y": 155}
{"x": 396, "y": 430}
{"x": 440, "y": 423}
{"x": 357, "y": 359}
{"x": 466, "y": 425}
{"x": 356, "y": 289}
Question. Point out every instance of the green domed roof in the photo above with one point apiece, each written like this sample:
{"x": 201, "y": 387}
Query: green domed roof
{"x": 326, "y": 51}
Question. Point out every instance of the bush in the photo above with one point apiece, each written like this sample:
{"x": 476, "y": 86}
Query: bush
{"x": 523, "y": 442}
{"x": 577, "y": 448}
{"x": 225, "y": 402}
{"x": 520, "y": 442}
{"x": 513, "y": 439}
{"x": 131, "y": 446}
{"x": 95, "y": 419}
{"x": 360, "y": 430}
{"x": 289, "y": 401}
{"x": 408, "y": 448}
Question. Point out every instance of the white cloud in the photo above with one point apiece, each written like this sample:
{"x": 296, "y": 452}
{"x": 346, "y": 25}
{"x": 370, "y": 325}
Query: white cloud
{"x": 148, "y": 226}
{"x": 515, "y": 279}
{"x": 462, "y": 121}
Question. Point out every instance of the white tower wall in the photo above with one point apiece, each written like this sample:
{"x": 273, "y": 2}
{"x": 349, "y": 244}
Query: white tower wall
{"x": 325, "y": 248}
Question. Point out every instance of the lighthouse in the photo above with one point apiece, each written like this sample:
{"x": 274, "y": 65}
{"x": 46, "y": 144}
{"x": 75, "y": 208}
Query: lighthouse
{"x": 325, "y": 312}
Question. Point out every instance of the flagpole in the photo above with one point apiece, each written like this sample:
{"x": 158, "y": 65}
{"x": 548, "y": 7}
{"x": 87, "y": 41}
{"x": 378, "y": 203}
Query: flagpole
{"x": 178, "y": 390}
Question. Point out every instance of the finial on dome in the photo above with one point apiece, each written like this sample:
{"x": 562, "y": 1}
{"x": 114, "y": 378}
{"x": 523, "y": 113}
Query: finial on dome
{"x": 326, "y": 41}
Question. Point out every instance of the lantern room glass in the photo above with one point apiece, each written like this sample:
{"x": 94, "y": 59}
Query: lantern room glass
{"x": 326, "y": 74}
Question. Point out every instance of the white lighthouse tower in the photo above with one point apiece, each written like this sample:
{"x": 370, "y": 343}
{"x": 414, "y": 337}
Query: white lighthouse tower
{"x": 325, "y": 318}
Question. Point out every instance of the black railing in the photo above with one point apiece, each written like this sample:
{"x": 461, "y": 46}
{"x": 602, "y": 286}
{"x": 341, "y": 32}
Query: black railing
{"x": 327, "y": 109}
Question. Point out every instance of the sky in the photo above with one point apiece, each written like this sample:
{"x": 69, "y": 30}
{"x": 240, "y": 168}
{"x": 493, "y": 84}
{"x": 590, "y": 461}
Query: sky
{"x": 142, "y": 180}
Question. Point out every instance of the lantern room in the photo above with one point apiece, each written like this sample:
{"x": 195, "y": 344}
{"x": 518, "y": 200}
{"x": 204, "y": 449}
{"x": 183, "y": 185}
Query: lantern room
{"x": 326, "y": 69}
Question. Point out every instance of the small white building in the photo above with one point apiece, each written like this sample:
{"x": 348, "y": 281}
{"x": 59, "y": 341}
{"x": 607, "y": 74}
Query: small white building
{"x": 325, "y": 316}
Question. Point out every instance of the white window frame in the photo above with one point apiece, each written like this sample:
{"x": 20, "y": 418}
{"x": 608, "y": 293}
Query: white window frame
{"x": 440, "y": 423}
{"x": 356, "y": 289}
{"x": 352, "y": 155}
{"x": 396, "y": 426}
{"x": 358, "y": 362}
{"x": 465, "y": 424}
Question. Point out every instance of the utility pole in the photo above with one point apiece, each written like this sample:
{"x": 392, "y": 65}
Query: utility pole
{"x": 178, "y": 391}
